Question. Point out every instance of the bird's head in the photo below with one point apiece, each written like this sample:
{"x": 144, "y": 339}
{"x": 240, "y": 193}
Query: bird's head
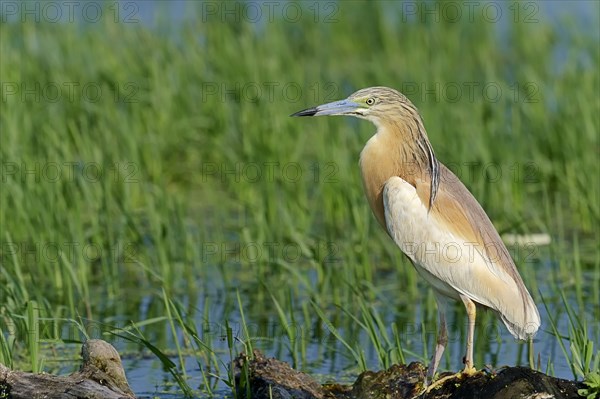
{"x": 392, "y": 113}
{"x": 373, "y": 103}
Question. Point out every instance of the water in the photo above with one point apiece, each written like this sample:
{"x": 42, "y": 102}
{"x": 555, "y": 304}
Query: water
{"x": 325, "y": 357}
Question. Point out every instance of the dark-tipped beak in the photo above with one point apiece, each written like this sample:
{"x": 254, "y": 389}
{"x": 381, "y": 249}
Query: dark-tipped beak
{"x": 306, "y": 112}
{"x": 343, "y": 107}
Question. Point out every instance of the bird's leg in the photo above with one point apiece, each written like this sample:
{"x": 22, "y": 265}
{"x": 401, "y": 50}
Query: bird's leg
{"x": 471, "y": 313}
{"x": 442, "y": 340}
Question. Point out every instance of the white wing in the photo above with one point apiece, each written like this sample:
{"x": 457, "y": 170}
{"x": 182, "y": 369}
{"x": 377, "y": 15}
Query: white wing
{"x": 451, "y": 264}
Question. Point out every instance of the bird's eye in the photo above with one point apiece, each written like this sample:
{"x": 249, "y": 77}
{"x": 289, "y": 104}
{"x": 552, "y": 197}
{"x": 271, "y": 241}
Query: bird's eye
{"x": 370, "y": 101}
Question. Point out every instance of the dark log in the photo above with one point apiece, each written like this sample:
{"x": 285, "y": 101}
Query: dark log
{"x": 264, "y": 378}
{"x": 101, "y": 376}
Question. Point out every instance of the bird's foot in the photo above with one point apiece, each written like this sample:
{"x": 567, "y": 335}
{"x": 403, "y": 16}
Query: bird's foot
{"x": 438, "y": 383}
{"x": 467, "y": 372}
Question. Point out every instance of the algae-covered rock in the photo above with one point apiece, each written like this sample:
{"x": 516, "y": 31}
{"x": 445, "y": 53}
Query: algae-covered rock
{"x": 271, "y": 378}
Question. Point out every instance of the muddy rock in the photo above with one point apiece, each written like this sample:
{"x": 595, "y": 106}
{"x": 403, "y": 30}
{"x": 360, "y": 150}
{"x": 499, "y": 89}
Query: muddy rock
{"x": 264, "y": 378}
{"x": 101, "y": 376}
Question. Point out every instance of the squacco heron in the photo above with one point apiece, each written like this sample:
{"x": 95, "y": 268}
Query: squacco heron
{"x": 434, "y": 219}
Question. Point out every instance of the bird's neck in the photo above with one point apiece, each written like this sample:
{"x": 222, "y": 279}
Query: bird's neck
{"x": 393, "y": 151}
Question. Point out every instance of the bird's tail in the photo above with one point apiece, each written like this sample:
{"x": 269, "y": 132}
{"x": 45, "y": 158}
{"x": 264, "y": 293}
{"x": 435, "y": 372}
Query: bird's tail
{"x": 524, "y": 323}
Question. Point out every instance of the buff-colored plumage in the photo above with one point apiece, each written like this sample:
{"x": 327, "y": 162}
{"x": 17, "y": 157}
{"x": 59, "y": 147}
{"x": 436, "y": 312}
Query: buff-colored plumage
{"x": 433, "y": 218}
